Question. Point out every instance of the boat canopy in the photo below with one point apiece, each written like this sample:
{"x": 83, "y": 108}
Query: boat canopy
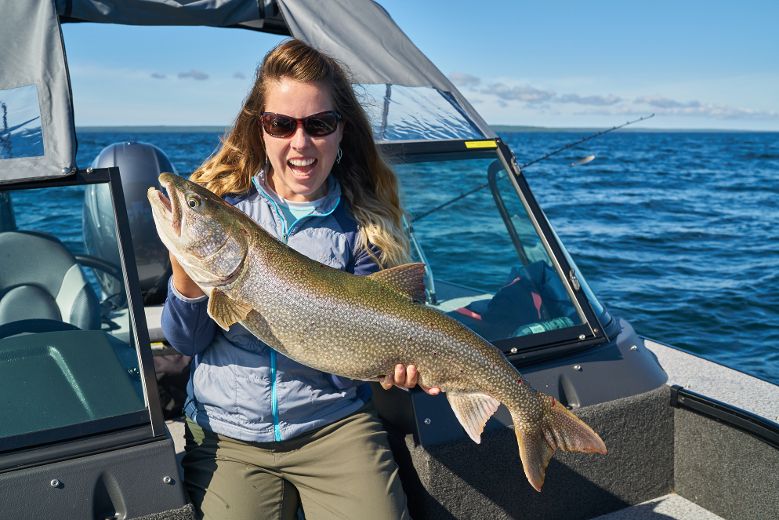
{"x": 406, "y": 96}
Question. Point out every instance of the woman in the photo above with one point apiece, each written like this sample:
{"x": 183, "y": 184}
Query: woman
{"x": 264, "y": 432}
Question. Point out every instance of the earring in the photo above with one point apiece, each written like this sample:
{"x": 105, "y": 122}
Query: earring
{"x": 266, "y": 166}
{"x": 339, "y": 155}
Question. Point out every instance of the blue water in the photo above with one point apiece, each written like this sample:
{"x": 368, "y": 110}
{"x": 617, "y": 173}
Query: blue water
{"x": 676, "y": 232}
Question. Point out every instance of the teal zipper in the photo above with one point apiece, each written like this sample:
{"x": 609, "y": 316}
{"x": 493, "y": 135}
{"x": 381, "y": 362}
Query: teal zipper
{"x": 279, "y": 214}
{"x": 274, "y": 402}
{"x": 286, "y": 232}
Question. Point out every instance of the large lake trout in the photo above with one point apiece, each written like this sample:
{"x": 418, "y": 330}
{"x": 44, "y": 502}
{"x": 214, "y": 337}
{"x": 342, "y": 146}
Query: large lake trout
{"x": 354, "y": 326}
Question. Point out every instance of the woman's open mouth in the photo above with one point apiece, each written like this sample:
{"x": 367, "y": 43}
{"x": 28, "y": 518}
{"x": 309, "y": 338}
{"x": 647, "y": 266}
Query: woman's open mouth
{"x": 302, "y": 166}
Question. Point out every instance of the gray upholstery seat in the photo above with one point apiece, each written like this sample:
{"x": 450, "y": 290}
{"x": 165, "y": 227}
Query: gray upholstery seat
{"x": 40, "y": 279}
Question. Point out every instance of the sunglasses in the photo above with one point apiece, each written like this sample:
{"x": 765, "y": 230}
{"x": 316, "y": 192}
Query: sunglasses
{"x": 317, "y": 125}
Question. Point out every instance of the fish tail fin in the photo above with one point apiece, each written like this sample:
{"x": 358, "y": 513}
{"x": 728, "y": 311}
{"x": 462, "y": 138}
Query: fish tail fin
{"x": 558, "y": 429}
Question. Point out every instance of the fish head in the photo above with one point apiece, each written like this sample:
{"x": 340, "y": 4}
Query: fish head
{"x": 200, "y": 229}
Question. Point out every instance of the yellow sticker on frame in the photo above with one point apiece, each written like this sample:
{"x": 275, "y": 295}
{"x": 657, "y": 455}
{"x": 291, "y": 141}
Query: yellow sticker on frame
{"x": 481, "y": 144}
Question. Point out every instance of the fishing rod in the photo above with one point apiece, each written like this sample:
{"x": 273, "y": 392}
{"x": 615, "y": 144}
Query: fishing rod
{"x": 417, "y": 218}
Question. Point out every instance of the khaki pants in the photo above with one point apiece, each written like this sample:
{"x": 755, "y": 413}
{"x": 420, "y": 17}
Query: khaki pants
{"x": 343, "y": 470}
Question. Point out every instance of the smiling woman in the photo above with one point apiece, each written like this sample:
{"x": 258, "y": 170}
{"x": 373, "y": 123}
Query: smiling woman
{"x": 300, "y": 161}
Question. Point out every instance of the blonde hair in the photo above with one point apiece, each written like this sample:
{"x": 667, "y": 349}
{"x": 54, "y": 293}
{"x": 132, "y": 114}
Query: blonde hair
{"x": 366, "y": 180}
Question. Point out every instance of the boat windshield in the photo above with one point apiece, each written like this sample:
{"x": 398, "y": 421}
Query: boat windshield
{"x": 68, "y": 359}
{"x": 488, "y": 266}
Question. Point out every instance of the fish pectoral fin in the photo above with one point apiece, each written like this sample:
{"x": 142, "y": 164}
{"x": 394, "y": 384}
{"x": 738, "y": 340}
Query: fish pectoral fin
{"x": 407, "y": 279}
{"x": 225, "y": 311}
{"x": 473, "y": 410}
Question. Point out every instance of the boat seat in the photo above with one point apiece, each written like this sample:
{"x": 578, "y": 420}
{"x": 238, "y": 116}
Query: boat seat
{"x": 532, "y": 298}
{"x": 40, "y": 279}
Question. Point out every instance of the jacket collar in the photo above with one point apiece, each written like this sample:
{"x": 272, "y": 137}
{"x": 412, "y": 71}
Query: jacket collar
{"x": 328, "y": 205}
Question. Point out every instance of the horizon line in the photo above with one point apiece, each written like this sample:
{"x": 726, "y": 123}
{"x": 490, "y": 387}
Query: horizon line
{"x": 494, "y": 127}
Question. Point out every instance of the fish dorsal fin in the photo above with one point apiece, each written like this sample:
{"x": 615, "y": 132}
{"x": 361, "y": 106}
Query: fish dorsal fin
{"x": 226, "y": 311}
{"x": 473, "y": 411}
{"x": 407, "y": 279}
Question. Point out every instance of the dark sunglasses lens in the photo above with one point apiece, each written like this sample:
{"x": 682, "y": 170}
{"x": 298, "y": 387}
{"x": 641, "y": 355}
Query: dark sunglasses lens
{"x": 321, "y": 124}
{"x": 278, "y": 125}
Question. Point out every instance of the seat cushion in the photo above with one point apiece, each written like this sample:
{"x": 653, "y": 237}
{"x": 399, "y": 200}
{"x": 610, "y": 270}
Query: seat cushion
{"x": 27, "y": 302}
{"x": 49, "y": 274}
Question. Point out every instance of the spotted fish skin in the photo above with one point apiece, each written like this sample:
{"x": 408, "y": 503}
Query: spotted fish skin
{"x": 358, "y": 327}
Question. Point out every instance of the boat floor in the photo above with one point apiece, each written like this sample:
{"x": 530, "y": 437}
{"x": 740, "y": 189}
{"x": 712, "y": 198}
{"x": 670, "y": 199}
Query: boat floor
{"x": 667, "y": 507}
{"x": 176, "y": 429}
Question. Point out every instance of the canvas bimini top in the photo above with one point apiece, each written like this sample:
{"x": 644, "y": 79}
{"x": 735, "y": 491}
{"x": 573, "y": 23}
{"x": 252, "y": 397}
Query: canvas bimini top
{"x": 405, "y": 95}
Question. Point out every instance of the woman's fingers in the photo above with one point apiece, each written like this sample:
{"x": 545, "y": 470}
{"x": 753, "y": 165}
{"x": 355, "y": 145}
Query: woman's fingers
{"x": 387, "y": 382}
{"x": 406, "y": 377}
{"x": 430, "y": 390}
{"x": 411, "y": 376}
{"x": 400, "y": 375}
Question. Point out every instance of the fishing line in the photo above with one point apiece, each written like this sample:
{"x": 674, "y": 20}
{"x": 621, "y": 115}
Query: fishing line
{"x": 417, "y": 218}
{"x": 585, "y": 139}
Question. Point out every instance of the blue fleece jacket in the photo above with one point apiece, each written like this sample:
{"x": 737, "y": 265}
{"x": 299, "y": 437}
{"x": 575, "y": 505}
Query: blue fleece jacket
{"x": 239, "y": 386}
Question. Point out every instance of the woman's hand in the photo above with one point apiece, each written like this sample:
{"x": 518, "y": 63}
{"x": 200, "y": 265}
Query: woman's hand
{"x": 406, "y": 377}
{"x": 182, "y": 282}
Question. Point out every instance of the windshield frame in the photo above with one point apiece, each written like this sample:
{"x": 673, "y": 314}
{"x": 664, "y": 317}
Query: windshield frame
{"x": 532, "y": 347}
{"x": 145, "y": 424}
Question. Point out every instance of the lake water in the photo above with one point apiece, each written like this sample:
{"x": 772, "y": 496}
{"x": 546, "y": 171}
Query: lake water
{"x": 675, "y": 232}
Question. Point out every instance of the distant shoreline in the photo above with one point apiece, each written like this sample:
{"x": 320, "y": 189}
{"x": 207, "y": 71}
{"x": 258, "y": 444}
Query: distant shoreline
{"x": 173, "y": 129}
{"x": 154, "y": 129}
{"x": 590, "y": 129}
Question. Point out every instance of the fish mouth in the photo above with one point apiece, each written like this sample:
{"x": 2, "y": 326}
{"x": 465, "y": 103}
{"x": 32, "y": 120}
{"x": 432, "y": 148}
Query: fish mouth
{"x": 168, "y": 207}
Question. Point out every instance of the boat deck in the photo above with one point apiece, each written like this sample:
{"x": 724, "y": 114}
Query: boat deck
{"x": 667, "y": 507}
{"x": 717, "y": 381}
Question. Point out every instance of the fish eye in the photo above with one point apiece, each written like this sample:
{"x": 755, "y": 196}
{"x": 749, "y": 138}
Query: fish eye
{"x": 193, "y": 202}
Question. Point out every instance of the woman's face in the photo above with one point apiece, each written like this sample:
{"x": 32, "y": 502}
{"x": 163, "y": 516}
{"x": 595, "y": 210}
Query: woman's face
{"x": 300, "y": 163}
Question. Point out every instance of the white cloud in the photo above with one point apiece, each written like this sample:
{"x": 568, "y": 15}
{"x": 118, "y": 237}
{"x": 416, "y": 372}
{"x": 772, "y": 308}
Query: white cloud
{"x": 193, "y": 74}
{"x": 589, "y": 100}
{"x": 523, "y": 93}
{"x": 696, "y": 108}
{"x": 462, "y": 79}
{"x": 666, "y": 103}
{"x": 502, "y": 97}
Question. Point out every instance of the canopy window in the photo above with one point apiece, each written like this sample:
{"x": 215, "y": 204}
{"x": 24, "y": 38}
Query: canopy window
{"x": 400, "y": 113}
{"x": 37, "y": 137}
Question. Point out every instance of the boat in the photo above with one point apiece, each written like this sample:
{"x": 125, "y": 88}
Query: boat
{"x": 82, "y": 433}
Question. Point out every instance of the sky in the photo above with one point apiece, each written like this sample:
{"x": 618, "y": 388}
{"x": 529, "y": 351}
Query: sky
{"x": 695, "y": 64}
